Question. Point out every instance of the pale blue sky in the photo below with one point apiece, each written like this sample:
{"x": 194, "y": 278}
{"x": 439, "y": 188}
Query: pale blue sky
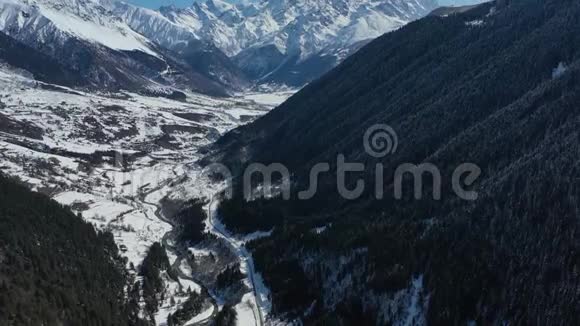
{"x": 154, "y": 4}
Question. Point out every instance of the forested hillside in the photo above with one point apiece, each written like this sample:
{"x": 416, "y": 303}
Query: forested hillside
{"x": 497, "y": 86}
{"x": 56, "y": 269}
{"x": 42, "y": 67}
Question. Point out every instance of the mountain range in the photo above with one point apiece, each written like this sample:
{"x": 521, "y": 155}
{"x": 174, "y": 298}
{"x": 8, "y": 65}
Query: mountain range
{"x": 99, "y": 51}
{"x": 272, "y": 41}
{"x": 212, "y": 47}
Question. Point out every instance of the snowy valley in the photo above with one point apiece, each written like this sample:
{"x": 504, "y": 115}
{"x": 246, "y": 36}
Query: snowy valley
{"x": 113, "y": 158}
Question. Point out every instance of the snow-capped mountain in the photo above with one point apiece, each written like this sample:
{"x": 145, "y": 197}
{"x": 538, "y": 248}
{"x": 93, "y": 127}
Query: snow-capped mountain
{"x": 43, "y": 21}
{"x": 211, "y": 47}
{"x": 87, "y": 38}
{"x": 281, "y": 41}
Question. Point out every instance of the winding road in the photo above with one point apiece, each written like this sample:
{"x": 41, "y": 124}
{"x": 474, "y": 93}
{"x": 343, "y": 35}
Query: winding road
{"x": 244, "y": 257}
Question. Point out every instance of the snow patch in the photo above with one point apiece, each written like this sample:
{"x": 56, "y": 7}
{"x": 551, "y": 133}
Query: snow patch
{"x": 559, "y": 70}
{"x": 475, "y": 23}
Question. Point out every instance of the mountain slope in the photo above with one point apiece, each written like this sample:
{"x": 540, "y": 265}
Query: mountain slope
{"x": 180, "y": 37}
{"x": 89, "y": 39}
{"x": 43, "y": 67}
{"x": 495, "y": 86}
{"x": 56, "y": 269}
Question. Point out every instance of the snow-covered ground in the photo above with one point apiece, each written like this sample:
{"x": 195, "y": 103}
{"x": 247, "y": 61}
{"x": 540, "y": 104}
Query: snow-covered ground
{"x": 270, "y": 99}
{"x": 113, "y": 157}
{"x": 201, "y": 317}
{"x": 86, "y": 20}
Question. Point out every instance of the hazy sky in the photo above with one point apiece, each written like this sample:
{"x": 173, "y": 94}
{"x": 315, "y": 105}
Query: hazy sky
{"x": 184, "y": 3}
{"x": 154, "y": 4}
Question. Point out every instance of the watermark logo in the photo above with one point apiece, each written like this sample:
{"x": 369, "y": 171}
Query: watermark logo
{"x": 380, "y": 140}
{"x": 351, "y": 178}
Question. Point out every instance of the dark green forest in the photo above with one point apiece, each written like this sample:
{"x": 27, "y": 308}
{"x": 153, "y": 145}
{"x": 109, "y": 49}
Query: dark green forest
{"x": 190, "y": 222}
{"x": 503, "y": 94}
{"x": 229, "y": 276}
{"x": 226, "y": 317}
{"x": 191, "y": 307}
{"x": 55, "y": 269}
{"x": 152, "y": 286}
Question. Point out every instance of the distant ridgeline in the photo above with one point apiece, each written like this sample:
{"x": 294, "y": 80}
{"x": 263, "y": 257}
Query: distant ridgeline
{"x": 55, "y": 269}
{"x": 498, "y": 86}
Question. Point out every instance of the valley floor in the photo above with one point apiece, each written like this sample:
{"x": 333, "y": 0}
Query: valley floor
{"x": 113, "y": 158}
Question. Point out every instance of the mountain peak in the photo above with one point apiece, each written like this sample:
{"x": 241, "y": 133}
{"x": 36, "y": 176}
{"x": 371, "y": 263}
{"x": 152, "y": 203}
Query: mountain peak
{"x": 274, "y": 42}
{"x": 299, "y": 30}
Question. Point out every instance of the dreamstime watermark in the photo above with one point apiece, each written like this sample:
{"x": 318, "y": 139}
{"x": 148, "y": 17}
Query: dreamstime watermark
{"x": 379, "y": 141}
